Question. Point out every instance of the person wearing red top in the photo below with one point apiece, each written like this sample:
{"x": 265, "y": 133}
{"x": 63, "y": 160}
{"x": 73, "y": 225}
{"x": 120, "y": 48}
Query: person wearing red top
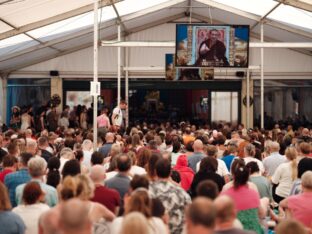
{"x": 110, "y": 198}
{"x": 185, "y": 172}
{"x": 9, "y": 166}
{"x": 299, "y": 205}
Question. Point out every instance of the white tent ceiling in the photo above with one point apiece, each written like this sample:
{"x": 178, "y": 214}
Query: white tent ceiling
{"x": 32, "y": 31}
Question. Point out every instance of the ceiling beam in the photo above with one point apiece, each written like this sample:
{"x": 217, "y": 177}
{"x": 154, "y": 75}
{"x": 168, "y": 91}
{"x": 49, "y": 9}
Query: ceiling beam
{"x": 252, "y": 34}
{"x": 265, "y": 16}
{"x": 255, "y": 17}
{"x": 87, "y": 45}
{"x": 298, "y": 4}
{"x": 53, "y": 19}
{"x": 103, "y": 26}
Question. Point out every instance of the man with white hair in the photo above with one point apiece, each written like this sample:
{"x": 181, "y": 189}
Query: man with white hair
{"x": 66, "y": 154}
{"x": 37, "y": 168}
{"x": 32, "y": 147}
{"x": 87, "y": 148}
{"x": 197, "y": 156}
{"x": 110, "y": 198}
{"x": 271, "y": 162}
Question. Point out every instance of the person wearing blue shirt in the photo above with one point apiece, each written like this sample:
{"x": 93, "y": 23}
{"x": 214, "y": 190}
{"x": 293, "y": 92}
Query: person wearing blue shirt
{"x": 228, "y": 159}
{"x": 37, "y": 168}
{"x": 19, "y": 177}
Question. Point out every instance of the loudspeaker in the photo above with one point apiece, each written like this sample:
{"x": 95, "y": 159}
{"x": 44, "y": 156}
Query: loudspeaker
{"x": 54, "y": 73}
{"x": 240, "y": 74}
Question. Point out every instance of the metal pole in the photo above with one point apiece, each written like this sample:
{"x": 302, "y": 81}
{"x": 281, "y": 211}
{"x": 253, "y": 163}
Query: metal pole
{"x": 118, "y": 68}
{"x": 262, "y": 76}
{"x": 95, "y": 72}
{"x": 248, "y": 100}
{"x": 127, "y": 87}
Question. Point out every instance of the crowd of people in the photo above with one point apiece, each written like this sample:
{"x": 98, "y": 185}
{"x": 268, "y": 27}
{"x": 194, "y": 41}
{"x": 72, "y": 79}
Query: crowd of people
{"x": 152, "y": 178}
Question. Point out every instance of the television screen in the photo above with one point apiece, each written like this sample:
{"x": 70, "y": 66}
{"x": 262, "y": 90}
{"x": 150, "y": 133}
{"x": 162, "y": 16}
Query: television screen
{"x": 174, "y": 73}
{"x": 199, "y": 45}
{"x": 74, "y": 98}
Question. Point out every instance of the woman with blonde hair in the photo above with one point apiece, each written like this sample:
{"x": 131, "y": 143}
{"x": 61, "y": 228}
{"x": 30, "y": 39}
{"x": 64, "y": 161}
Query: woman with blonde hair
{"x": 139, "y": 201}
{"x": 82, "y": 187}
{"x": 285, "y": 175}
{"x": 134, "y": 223}
{"x": 9, "y": 221}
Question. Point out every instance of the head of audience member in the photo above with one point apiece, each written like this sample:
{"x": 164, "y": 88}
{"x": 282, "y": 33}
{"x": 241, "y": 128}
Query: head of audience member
{"x": 158, "y": 210}
{"x": 304, "y": 165}
{"x": 71, "y": 168}
{"x": 304, "y": 149}
{"x": 109, "y": 137}
{"x": 134, "y": 223}
{"x": 115, "y": 150}
{"x": 87, "y": 145}
{"x": 23, "y": 160}
{"x": 250, "y": 150}
{"x": 290, "y": 226}
{"x": 200, "y": 216}
{"x": 28, "y": 133}
{"x": 198, "y": 146}
{"x": 97, "y": 158}
{"x": 240, "y": 173}
{"x": 143, "y": 157}
{"x": 123, "y": 163}
{"x": 139, "y": 201}
{"x": 208, "y": 189}
{"x": 32, "y": 193}
{"x": 97, "y": 174}
{"x": 85, "y": 187}
{"x": 226, "y": 213}
{"x": 37, "y": 167}
{"x": 232, "y": 149}
{"x": 53, "y": 176}
{"x": 306, "y": 181}
{"x": 208, "y": 164}
{"x": 75, "y": 221}
{"x": 139, "y": 181}
{"x": 67, "y": 153}
{"x": 9, "y": 162}
{"x": 151, "y": 167}
{"x": 13, "y": 149}
{"x": 253, "y": 167}
{"x": 212, "y": 151}
{"x": 43, "y": 142}
{"x": 163, "y": 169}
{"x": 5, "y": 204}
{"x": 274, "y": 147}
{"x": 152, "y": 145}
{"x": 48, "y": 222}
{"x": 31, "y": 147}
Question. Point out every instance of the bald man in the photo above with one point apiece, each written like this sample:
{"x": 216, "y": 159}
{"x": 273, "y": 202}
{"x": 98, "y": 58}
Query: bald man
{"x": 226, "y": 216}
{"x": 197, "y": 156}
{"x": 109, "y": 141}
{"x": 200, "y": 217}
{"x": 110, "y": 198}
{"x": 75, "y": 221}
{"x": 49, "y": 222}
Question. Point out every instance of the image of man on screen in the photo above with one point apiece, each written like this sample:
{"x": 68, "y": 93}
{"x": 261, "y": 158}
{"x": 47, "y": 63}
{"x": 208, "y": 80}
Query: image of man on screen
{"x": 211, "y": 51}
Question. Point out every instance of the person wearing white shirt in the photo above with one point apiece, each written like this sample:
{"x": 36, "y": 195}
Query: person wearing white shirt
{"x": 271, "y": 162}
{"x": 87, "y": 148}
{"x": 250, "y": 152}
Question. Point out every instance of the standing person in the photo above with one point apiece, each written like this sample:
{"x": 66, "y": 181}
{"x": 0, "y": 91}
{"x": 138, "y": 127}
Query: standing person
{"x": 25, "y": 119}
{"x": 9, "y": 221}
{"x": 103, "y": 120}
{"x": 52, "y": 119}
{"x": 9, "y": 166}
{"x": 15, "y": 121}
{"x": 271, "y": 162}
{"x": 83, "y": 118}
{"x": 21, "y": 176}
{"x": 117, "y": 116}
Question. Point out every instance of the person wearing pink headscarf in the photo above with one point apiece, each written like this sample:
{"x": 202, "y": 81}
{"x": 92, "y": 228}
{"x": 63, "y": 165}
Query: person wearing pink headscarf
{"x": 185, "y": 172}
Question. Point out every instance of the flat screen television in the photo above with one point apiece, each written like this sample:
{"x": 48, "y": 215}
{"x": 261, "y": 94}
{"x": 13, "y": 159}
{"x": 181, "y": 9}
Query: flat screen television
{"x": 202, "y": 45}
{"x": 185, "y": 73}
